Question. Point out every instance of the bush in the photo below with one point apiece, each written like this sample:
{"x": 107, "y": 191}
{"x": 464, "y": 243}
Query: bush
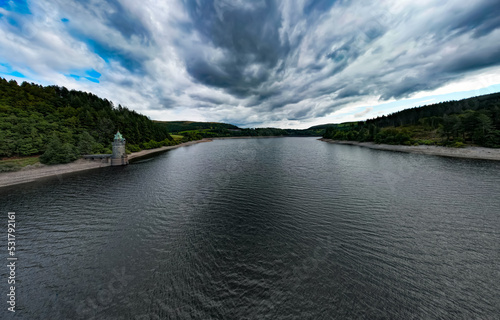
{"x": 133, "y": 148}
{"x": 7, "y": 167}
{"x": 57, "y": 152}
{"x": 151, "y": 144}
{"x": 458, "y": 144}
{"x": 168, "y": 142}
{"x": 87, "y": 144}
{"x": 426, "y": 142}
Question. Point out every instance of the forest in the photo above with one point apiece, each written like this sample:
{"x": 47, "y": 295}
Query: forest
{"x": 179, "y": 126}
{"x": 61, "y": 124}
{"x": 472, "y": 121}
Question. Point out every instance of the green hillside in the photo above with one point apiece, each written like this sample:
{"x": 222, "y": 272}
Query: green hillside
{"x": 178, "y": 126}
{"x": 472, "y": 121}
{"x": 34, "y": 118}
{"x": 323, "y": 127}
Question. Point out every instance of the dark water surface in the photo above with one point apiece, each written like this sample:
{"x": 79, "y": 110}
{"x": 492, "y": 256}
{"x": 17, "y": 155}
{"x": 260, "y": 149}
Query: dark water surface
{"x": 283, "y": 228}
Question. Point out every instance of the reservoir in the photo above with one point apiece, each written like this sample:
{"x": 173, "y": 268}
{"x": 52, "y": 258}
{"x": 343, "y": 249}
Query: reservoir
{"x": 274, "y": 228}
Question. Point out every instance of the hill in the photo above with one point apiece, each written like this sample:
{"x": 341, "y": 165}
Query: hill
{"x": 34, "y": 118}
{"x": 323, "y": 127}
{"x": 472, "y": 121}
{"x": 218, "y": 129}
{"x": 179, "y": 126}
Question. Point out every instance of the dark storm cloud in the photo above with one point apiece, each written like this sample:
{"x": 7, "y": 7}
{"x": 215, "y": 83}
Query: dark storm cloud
{"x": 208, "y": 99}
{"x": 473, "y": 59}
{"x": 405, "y": 87}
{"x": 320, "y": 6}
{"x": 248, "y": 37}
{"x": 349, "y": 91}
{"x": 126, "y": 22}
{"x": 481, "y": 20}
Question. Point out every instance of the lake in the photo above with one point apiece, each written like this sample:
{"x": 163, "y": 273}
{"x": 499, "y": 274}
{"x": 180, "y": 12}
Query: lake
{"x": 274, "y": 228}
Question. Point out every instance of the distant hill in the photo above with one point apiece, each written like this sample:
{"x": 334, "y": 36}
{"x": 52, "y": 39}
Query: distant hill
{"x": 219, "y": 129}
{"x": 474, "y": 121}
{"x": 178, "y": 126}
{"x": 328, "y": 125}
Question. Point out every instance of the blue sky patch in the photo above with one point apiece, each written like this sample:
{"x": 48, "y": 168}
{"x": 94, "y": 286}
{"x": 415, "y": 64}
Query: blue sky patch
{"x": 92, "y": 79}
{"x": 107, "y": 52}
{"x": 19, "y": 6}
{"x": 12, "y": 22}
{"x": 65, "y": 20}
{"x": 94, "y": 74}
{"x": 17, "y": 74}
{"x": 6, "y": 69}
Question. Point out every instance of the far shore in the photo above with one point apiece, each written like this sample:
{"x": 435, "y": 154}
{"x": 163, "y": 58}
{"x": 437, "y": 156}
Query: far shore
{"x": 37, "y": 172}
{"x": 466, "y": 152}
{"x": 143, "y": 153}
{"x": 246, "y": 137}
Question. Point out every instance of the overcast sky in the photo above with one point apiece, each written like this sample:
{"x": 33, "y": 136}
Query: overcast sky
{"x": 256, "y": 63}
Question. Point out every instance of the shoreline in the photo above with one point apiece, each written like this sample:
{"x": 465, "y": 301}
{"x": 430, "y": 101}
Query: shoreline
{"x": 30, "y": 174}
{"x": 246, "y": 137}
{"x": 481, "y": 153}
{"x": 142, "y": 153}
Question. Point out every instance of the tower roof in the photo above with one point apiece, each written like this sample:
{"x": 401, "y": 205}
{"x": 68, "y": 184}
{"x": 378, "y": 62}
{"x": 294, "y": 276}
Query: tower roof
{"x": 118, "y": 136}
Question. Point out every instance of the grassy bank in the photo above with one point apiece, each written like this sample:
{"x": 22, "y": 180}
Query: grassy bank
{"x": 15, "y": 164}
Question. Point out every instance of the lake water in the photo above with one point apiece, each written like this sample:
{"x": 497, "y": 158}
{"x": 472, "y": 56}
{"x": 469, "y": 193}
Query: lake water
{"x": 278, "y": 228}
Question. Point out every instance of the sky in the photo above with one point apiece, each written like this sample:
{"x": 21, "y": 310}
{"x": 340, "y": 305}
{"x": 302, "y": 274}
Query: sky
{"x": 288, "y": 64}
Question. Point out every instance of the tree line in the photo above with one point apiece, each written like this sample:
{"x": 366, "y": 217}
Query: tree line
{"x": 474, "y": 121}
{"x": 216, "y": 129}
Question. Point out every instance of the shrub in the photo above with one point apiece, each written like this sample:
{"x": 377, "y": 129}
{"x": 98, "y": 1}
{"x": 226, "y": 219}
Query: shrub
{"x": 458, "y": 144}
{"x": 7, "y": 167}
{"x": 57, "y": 152}
{"x": 426, "y": 142}
{"x": 87, "y": 143}
{"x": 133, "y": 148}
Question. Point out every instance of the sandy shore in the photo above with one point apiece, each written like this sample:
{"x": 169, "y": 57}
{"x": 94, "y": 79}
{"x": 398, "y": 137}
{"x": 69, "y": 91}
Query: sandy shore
{"x": 467, "y": 152}
{"x": 30, "y": 173}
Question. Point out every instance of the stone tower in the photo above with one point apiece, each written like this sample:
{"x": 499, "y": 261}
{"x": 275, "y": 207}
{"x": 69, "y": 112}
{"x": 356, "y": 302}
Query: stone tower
{"x": 119, "y": 156}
